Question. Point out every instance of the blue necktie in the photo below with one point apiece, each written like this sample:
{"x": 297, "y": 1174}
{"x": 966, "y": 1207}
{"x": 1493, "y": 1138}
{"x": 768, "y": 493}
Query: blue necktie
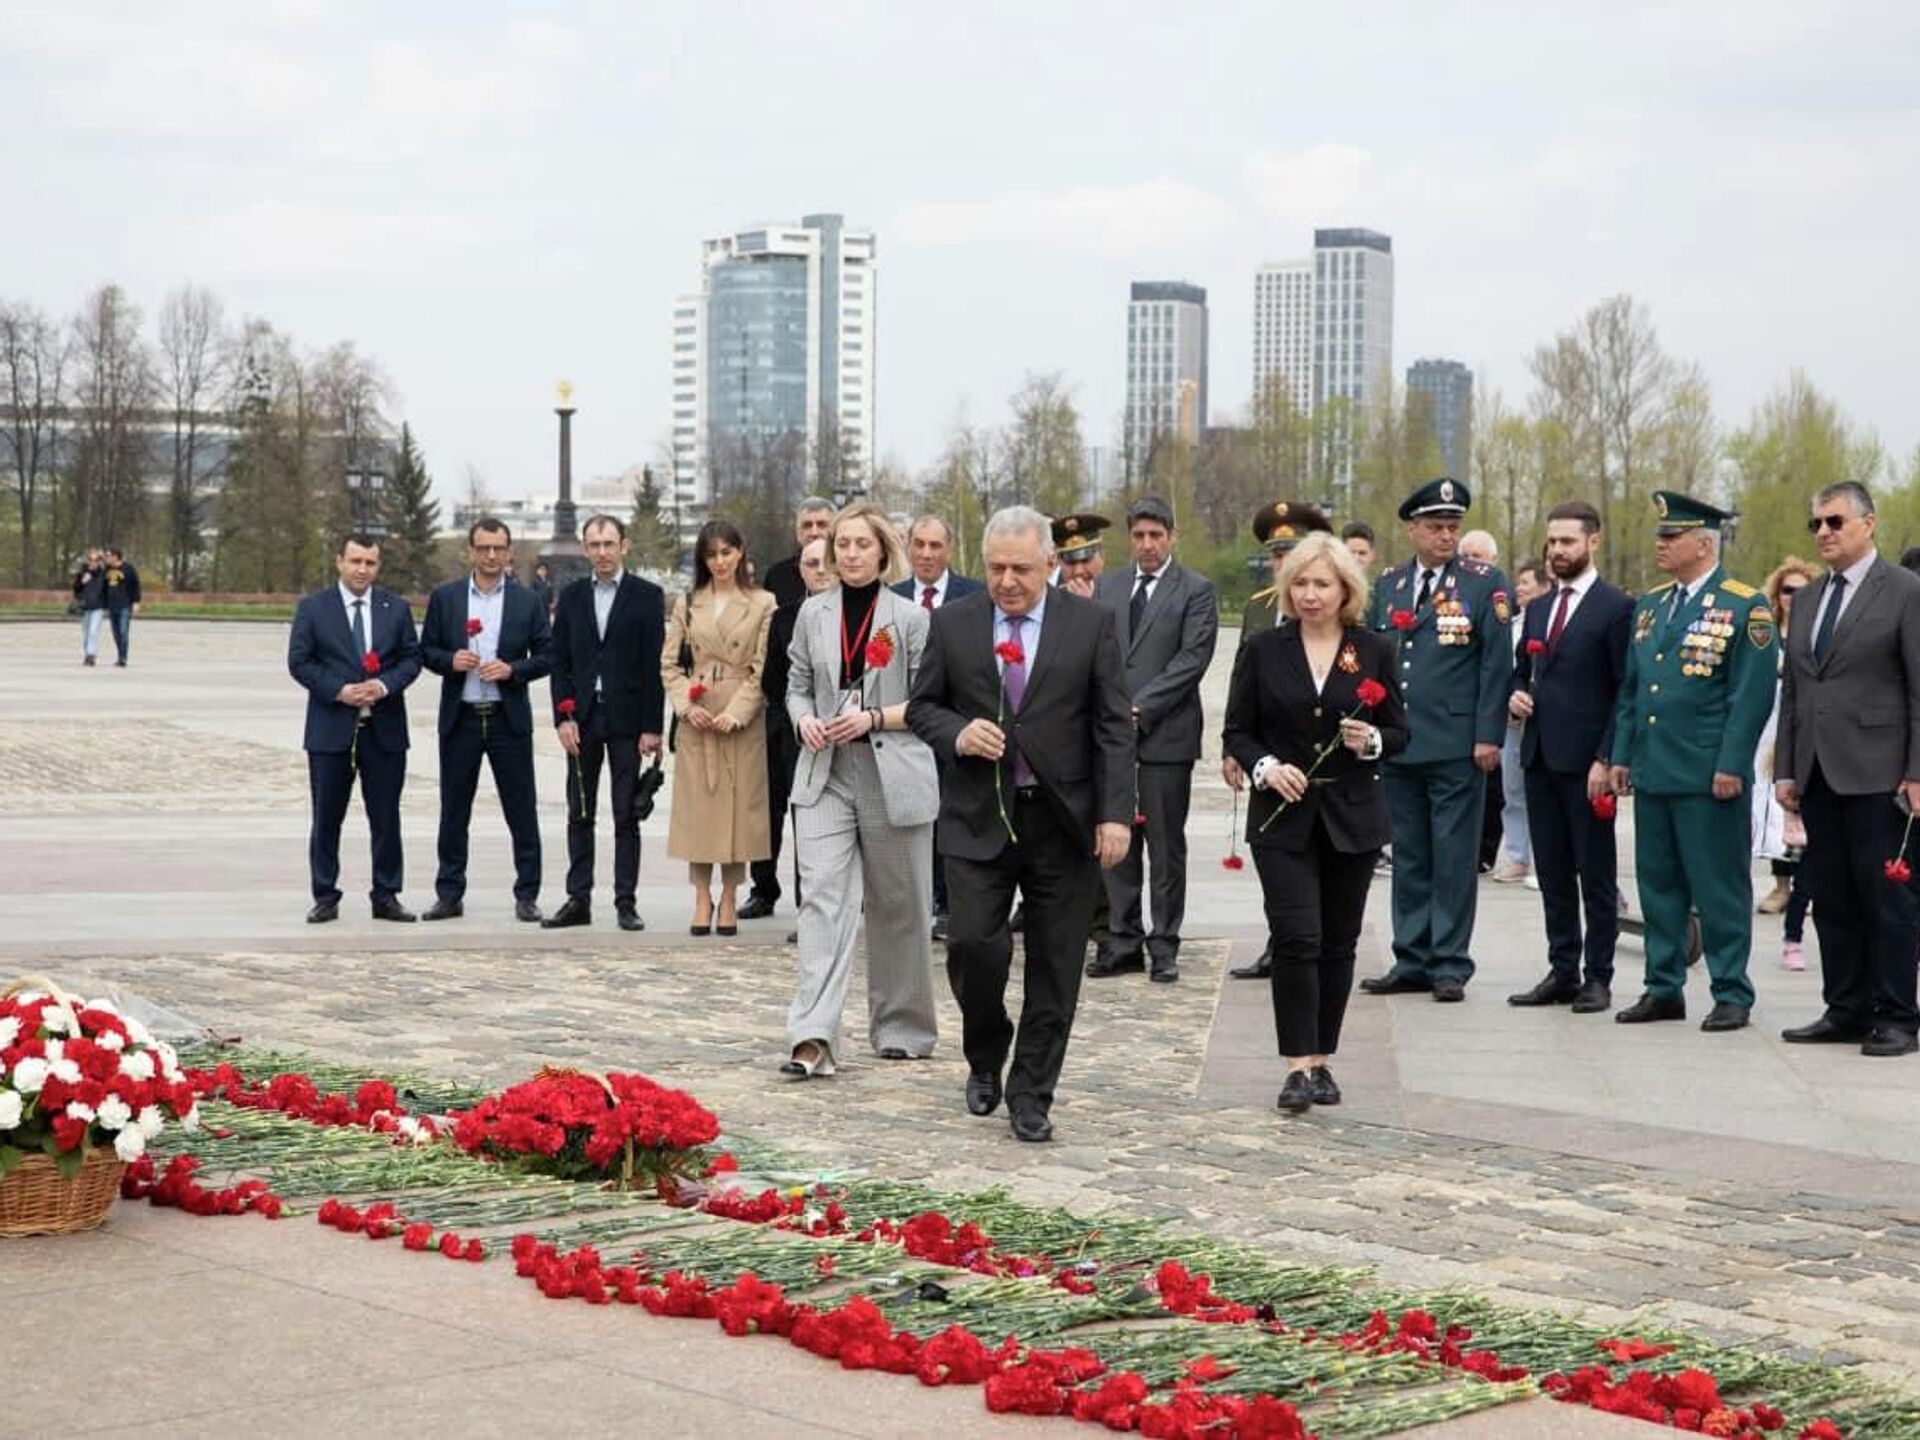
{"x": 360, "y": 628}
{"x": 1823, "y": 637}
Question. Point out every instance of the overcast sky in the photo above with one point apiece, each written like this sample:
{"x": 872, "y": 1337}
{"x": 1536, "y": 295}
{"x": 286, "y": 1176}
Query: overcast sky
{"x": 488, "y": 198}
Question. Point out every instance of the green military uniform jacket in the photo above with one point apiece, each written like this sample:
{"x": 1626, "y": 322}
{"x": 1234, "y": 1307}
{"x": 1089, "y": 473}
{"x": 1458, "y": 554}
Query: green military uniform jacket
{"x": 1456, "y": 656}
{"x": 1262, "y": 613}
{"x": 1698, "y": 688}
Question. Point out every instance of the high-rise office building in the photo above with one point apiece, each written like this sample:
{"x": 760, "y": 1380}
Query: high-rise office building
{"x": 1166, "y": 366}
{"x": 1444, "y": 390}
{"x": 777, "y": 348}
{"x": 1352, "y": 315}
{"x": 1283, "y": 330}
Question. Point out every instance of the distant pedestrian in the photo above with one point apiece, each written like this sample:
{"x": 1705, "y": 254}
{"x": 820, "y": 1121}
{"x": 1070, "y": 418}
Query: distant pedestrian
{"x": 1357, "y": 536}
{"x": 542, "y": 587}
{"x": 123, "y": 599}
{"x": 90, "y": 594}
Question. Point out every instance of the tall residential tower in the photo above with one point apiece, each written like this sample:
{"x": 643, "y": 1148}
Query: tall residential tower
{"x": 1444, "y": 390}
{"x": 1166, "y": 366}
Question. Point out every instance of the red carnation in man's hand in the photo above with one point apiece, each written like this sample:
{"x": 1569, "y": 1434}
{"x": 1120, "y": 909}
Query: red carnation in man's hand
{"x": 566, "y": 707}
{"x": 475, "y": 626}
{"x": 1605, "y": 807}
{"x": 1403, "y": 620}
{"x": 1371, "y": 693}
{"x": 370, "y": 662}
{"x": 1536, "y": 647}
{"x": 1899, "y": 872}
{"x": 1011, "y": 652}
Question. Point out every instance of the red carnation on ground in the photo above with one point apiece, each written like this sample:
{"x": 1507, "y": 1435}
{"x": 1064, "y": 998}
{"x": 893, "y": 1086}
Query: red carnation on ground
{"x": 1011, "y": 652}
{"x": 1371, "y": 693}
{"x": 880, "y": 651}
{"x": 695, "y": 691}
{"x": 1605, "y": 806}
{"x": 1403, "y": 620}
{"x": 370, "y": 662}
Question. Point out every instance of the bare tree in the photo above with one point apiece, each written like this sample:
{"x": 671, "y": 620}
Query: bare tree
{"x": 1043, "y": 460}
{"x": 194, "y": 357}
{"x": 352, "y": 395}
{"x": 32, "y": 370}
{"x": 113, "y": 388}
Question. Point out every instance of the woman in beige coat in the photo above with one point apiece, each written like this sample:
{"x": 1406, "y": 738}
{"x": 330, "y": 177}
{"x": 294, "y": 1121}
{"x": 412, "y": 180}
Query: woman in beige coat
{"x": 720, "y": 774}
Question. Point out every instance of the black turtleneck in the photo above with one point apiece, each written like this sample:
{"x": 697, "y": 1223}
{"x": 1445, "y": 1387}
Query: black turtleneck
{"x": 857, "y": 602}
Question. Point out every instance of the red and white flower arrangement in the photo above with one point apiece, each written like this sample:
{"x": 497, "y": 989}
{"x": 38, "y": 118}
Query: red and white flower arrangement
{"x": 77, "y": 1075}
{"x": 579, "y": 1127}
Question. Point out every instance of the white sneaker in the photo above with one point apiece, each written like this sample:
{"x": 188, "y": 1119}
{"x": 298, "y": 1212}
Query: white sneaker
{"x": 1511, "y": 872}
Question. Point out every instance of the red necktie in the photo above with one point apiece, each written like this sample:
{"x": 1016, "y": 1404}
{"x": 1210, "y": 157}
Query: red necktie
{"x": 1559, "y": 616}
{"x": 926, "y": 598}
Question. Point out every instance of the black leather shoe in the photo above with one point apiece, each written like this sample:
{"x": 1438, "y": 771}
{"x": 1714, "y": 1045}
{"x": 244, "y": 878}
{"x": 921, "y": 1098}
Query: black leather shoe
{"x": 527, "y": 912}
{"x": 574, "y": 912}
{"x": 1823, "y": 1032}
{"x": 894, "y": 1052}
{"x": 1550, "y": 991}
{"x": 1258, "y": 968}
{"x": 1652, "y": 1007}
{"x": 1105, "y": 965}
{"x": 1320, "y": 1085}
{"x": 323, "y": 911}
{"x": 1394, "y": 983}
{"x": 393, "y": 910}
{"x": 756, "y": 907}
{"x": 983, "y": 1092}
{"x": 1032, "y": 1127}
{"x": 1725, "y": 1016}
{"x": 1449, "y": 991}
{"x": 630, "y": 918}
{"x": 793, "y": 937}
{"x": 1296, "y": 1095}
{"x": 1594, "y": 997}
{"x": 1885, "y": 1040}
{"x": 1163, "y": 972}
{"x": 444, "y": 910}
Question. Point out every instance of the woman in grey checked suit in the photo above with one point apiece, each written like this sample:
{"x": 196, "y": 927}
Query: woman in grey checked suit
{"x": 865, "y": 795}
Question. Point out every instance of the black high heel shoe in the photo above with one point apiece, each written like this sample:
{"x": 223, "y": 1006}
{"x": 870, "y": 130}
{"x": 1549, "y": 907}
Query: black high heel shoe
{"x": 726, "y": 929}
{"x": 699, "y": 929}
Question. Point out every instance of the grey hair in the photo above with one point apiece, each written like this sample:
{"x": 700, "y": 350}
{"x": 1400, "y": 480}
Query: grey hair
{"x": 1017, "y": 520}
{"x": 811, "y": 505}
{"x": 1850, "y": 490}
{"x": 919, "y": 520}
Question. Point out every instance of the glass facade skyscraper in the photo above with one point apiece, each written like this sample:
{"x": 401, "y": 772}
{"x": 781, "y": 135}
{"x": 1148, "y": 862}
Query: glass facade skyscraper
{"x": 1166, "y": 366}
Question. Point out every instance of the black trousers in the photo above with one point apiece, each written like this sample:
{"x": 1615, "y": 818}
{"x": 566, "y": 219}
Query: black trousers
{"x": 1577, "y": 864}
{"x": 1165, "y": 793}
{"x": 1316, "y": 902}
{"x": 1054, "y": 869}
{"x": 1869, "y": 927}
{"x": 330, "y": 779}
{"x": 481, "y": 734}
{"x": 783, "y": 753}
{"x": 619, "y": 755}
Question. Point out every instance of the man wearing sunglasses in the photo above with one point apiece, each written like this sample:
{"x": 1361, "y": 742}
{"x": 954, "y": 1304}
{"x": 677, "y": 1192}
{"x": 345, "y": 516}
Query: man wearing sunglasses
{"x": 1847, "y": 757}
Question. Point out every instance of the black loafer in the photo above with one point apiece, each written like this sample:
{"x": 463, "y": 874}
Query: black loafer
{"x": 1652, "y": 1007}
{"x": 983, "y": 1092}
{"x": 1320, "y": 1086}
{"x": 1164, "y": 973}
{"x": 1296, "y": 1095}
{"x": 574, "y": 912}
{"x": 1550, "y": 991}
{"x": 526, "y": 912}
{"x": 1449, "y": 991}
{"x": 630, "y": 919}
{"x": 1258, "y": 968}
{"x": 1823, "y": 1032}
{"x": 894, "y": 1052}
{"x": 1104, "y": 967}
{"x": 396, "y": 912}
{"x": 756, "y": 907}
{"x": 1394, "y": 983}
{"x": 1725, "y": 1016}
{"x": 1888, "y": 1042}
{"x": 1032, "y": 1127}
{"x": 1594, "y": 997}
{"x": 940, "y": 929}
{"x": 444, "y": 910}
{"x": 323, "y": 911}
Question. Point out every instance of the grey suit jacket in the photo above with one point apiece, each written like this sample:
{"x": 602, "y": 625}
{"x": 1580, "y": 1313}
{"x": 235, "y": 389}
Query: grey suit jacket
{"x": 907, "y": 770}
{"x": 1857, "y": 713}
{"x": 1165, "y": 660}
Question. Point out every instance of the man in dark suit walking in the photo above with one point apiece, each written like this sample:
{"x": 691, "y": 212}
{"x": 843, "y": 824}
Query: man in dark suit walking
{"x": 1022, "y": 686}
{"x": 1564, "y": 692}
{"x": 609, "y": 704}
{"x": 1848, "y": 749}
{"x": 1167, "y": 619}
{"x": 488, "y": 639}
{"x": 354, "y": 650}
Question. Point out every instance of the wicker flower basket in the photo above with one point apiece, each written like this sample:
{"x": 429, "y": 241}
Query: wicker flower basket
{"x": 35, "y": 1199}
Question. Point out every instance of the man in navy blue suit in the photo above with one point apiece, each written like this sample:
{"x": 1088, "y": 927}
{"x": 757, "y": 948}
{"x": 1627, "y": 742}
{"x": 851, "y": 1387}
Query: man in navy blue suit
{"x": 933, "y": 584}
{"x": 489, "y": 640}
{"x": 1567, "y": 675}
{"x": 354, "y": 650}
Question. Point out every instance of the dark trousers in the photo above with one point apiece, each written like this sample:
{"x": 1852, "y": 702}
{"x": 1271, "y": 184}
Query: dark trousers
{"x": 1316, "y": 901}
{"x": 1799, "y": 896}
{"x": 1165, "y": 792}
{"x": 1054, "y": 869}
{"x": 482, "y": 733}
{"x": 1490, "y": 826}
{"x": 330, "y": 778}
{"x": 1869, "y": 927}
{"x": 620, "y": 756}
{"x": 783, "y": 753}
{"x": 1577, "y": 864}
{"x": 121, "y": 619}
{"x": 1438, "y": 808}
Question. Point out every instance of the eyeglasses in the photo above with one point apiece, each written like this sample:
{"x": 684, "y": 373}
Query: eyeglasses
{"x": 1832, "y": 522}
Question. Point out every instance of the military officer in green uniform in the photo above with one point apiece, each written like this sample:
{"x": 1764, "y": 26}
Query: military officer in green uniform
{"x": 1454, "y": 619}
{"x": 1279, "y": 527}
{"x": 1076, "y": 549}
{"x": 1697, "y": 693}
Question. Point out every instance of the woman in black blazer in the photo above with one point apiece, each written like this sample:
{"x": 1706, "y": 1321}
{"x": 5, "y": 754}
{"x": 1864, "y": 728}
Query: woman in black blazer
{"x": 1302, "y": 691}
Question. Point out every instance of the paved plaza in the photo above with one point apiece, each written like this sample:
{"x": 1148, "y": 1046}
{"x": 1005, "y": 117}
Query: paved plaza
{"x": 152, "y": 836}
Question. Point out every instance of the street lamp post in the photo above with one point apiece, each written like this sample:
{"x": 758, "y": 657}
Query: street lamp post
{"x": 563, "y": 557}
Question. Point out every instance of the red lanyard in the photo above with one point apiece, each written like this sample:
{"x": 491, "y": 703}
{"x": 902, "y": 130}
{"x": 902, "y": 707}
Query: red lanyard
{"x": 851, "y": 648}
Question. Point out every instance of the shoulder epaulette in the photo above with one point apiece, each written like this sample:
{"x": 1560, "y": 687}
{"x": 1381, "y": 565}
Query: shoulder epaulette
{"x": 1662, "y": 586}
{"x": 1272, "y": 592}
{"x": 1735, "y": 587}
{"x": 1473, "y": 567}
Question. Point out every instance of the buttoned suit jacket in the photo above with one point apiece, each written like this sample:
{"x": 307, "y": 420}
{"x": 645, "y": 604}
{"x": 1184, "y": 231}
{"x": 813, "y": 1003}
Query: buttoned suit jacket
{"x": 907, "y": 772}
{"x": 626, "y": 662}
{"x": 526, "y": 644}
{"x": 322, "y": 656}
{"x": 958, "y": 588}
{"x": 1576, "y": 684}
{"x": 1855, "y": 712}
{"x": 1168, "y": 656}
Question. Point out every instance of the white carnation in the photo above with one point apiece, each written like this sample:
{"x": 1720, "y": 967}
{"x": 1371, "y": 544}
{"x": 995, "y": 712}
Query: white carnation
{"x": 137, "y": 1065}
{"x": 65, "y": 1069}
{"x": 114, "y": 1113}
{"x": 9, "y": 1031}
{"x": 54, "y": 1020}
{"x": 149, "y": 1120}
{"x": 29, "y": 1075}
{"x": 137, "y": 1032}
{"x": 190, "y": 1121}
{"x": 130, "y": 1144}
{"x": 54, "y": 1050}
{"x": 110, "y": 1040}
{"x": 11, "y": 1107}
{"x": 78, "y": 1111}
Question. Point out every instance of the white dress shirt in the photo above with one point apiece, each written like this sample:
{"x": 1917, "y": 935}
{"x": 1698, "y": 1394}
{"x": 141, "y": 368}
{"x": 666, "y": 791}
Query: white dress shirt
{"x": 486, "y": 607}
{"x": 939, "y": 590}
{"x": 1855, "y": 573}
{"x": 348, "y": 600}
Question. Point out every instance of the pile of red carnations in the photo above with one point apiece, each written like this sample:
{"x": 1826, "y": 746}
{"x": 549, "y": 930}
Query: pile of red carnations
{"x": 175, "y": 1187}
{"x": 382, "y": 1220}
{"x": 79, "y": 1074}
{"x": 1687, "y": 1400}
{"x": 577, "y": 1127}
{"x": 372, "y": 1106}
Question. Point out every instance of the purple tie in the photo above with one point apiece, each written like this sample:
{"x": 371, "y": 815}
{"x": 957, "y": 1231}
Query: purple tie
{"x": 1014, "y": 679}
